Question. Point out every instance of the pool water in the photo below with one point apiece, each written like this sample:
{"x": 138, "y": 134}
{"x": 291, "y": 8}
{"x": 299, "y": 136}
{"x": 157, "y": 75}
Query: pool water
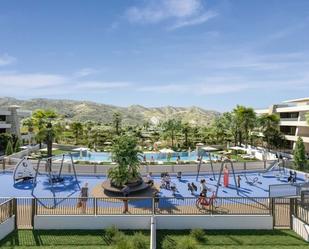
{"x": 150, "y": 156}
{"x": 70, "y": 188}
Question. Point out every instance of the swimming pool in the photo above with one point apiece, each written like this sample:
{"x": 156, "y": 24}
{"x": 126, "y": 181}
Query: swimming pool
{"x": 71, "y": 189}
{"x": 150, "y": 156}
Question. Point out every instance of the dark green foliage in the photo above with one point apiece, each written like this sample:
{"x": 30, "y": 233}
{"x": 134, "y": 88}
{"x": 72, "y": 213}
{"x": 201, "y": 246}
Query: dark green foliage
{"x": 9, "y": 148}
{"x": 300, "y": 154}
{"x": 125, "y": 153}
{"x": 197, "y": 234}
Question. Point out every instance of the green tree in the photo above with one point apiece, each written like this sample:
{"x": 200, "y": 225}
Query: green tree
{"x": 117, "y": 122}
{"x": 4, "y": 139}
{"x": 46, "y": 132}
{"x": 269, "y": 126}
{"x": 170, "y": 129}
{"x": 246, "y": 119}
{"x": 307, "y": 117}
{"x": 9, "y": 148}
{"x": 17, "y": 146}
{"x": 126, "y": 154}
{"x": 186, "y": 129}
{"x": 77, "y": 129}
{"x": 300, "y": 154}
{"x": 40, "y": 120}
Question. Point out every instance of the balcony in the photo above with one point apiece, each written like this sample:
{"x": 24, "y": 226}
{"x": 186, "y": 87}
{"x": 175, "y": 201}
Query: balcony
{"x": 294, "y": 138}
{"x": 293, "y": 122}
{"x": 4, "y": 125}
{"x": 299, "y": 108}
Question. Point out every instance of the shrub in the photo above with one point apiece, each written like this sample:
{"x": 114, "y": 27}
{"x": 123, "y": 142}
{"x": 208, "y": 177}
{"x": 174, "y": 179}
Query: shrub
{"x": 186, "y": 242}
{"x": 9, "y": 148}
{"x": 139, "y": 241}
{"x": 114, "y": 234}
{"x": 197, "y": 234}
{"x": 123, "y": 243}
{"x": 168, "y": 243}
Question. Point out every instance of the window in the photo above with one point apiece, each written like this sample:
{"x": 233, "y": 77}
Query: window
{"x": 288, "y": 130}
{"x": 289, "y": 115}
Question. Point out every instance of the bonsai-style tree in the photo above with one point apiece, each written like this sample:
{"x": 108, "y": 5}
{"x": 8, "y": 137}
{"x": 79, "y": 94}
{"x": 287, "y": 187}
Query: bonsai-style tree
{"x": 126, "y": 154}
{"x": 300, "y": 154}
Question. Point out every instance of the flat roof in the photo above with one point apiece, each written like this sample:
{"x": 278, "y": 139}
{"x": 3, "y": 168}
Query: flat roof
{"x": 297, "y": 100}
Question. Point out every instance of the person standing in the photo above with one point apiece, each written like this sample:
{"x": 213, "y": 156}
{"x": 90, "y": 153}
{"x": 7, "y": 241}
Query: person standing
{"x": 238, "y": 181}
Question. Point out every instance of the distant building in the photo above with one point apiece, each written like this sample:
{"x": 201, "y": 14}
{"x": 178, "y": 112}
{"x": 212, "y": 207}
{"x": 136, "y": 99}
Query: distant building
{"x": 10, "y": 120}
{"x": 293, "y": 122}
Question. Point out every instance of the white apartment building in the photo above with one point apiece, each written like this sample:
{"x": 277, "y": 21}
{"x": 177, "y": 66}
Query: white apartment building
{"x": 293, "y": 122}
{"x": 10, "y": 119}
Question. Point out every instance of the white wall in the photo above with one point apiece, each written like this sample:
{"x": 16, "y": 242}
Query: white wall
{"x": 91, "y": 222}
{"x": 214, "y": 222}
{"x": 7, "y": 227}
{"x": 301, "y": 228}
{"x": 162, "y": 222}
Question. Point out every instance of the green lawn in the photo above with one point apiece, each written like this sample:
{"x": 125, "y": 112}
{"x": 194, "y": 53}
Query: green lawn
{"x": 59, "y": 239}
{"x": 276, "y": 239}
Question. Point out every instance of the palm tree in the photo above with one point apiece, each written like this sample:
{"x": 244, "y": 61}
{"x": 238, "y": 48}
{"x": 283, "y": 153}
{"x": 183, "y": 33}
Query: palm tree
{"x": 186, "y": 128}
{"x": 170, "y": 128}
{"x": 42, "y": 120}
{"x": 269, "y": 125}
{"x": 29, "y": 123}
{"x": 126, "y": 155}
{"x": 247, "y": 118}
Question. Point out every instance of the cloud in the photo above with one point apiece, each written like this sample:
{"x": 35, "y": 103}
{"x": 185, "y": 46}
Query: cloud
{"x": 101, "y": 85}
{"x": 182, "y": 12}
{"x": 86, "y": 72}
{"x": 42, "y": 84}
{"x": 198, "y": 89}
{"x": 194, "y": 21}
{"x": 30, "y": 81}
{"x": 5, "y": 59}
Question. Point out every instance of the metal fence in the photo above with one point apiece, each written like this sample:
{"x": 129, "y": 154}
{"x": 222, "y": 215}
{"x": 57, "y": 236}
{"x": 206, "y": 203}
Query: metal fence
{"x": 97, "y": 169}
{"x": 217, "y": 206}
{"x": 281, "y": 209}
{"x": 6, "y": 210}
{"x": 93, "y": 206}
{"x": 301, "y": 211}
{"x": 149, "y": 206}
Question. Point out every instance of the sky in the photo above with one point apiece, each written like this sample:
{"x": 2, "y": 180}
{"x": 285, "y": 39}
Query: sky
{"x": 214, "y": 54}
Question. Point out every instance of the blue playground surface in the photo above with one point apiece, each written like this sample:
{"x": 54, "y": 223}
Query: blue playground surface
{"x": 69, "y": 188}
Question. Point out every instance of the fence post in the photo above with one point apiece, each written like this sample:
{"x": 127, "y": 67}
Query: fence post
{"x": 292, "y": 211}
{"x": 272, "y": 205}
{"x": 264, "y": 164}
{"x": 15, "y": 212}
{"x": 33, "y": 211}
{"x": 95, "y": 206}
{"x": 69, "y": 168}
{"x": 153, "y": 205}
{"x": 95, "y": 168}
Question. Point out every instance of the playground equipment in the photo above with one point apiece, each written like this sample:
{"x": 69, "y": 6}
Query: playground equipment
{"x": 23, "y": 171}
{"x": 223, "y": 166}
{"x": 54, "y": 177}
{"x": 201, "y": 153}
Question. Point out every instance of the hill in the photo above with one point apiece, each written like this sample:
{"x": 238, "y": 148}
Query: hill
{"x": 135, "y": 114}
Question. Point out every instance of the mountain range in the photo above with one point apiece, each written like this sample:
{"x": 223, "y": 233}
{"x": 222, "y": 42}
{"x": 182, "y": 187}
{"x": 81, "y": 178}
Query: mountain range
{"x": 131, "y": 115}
